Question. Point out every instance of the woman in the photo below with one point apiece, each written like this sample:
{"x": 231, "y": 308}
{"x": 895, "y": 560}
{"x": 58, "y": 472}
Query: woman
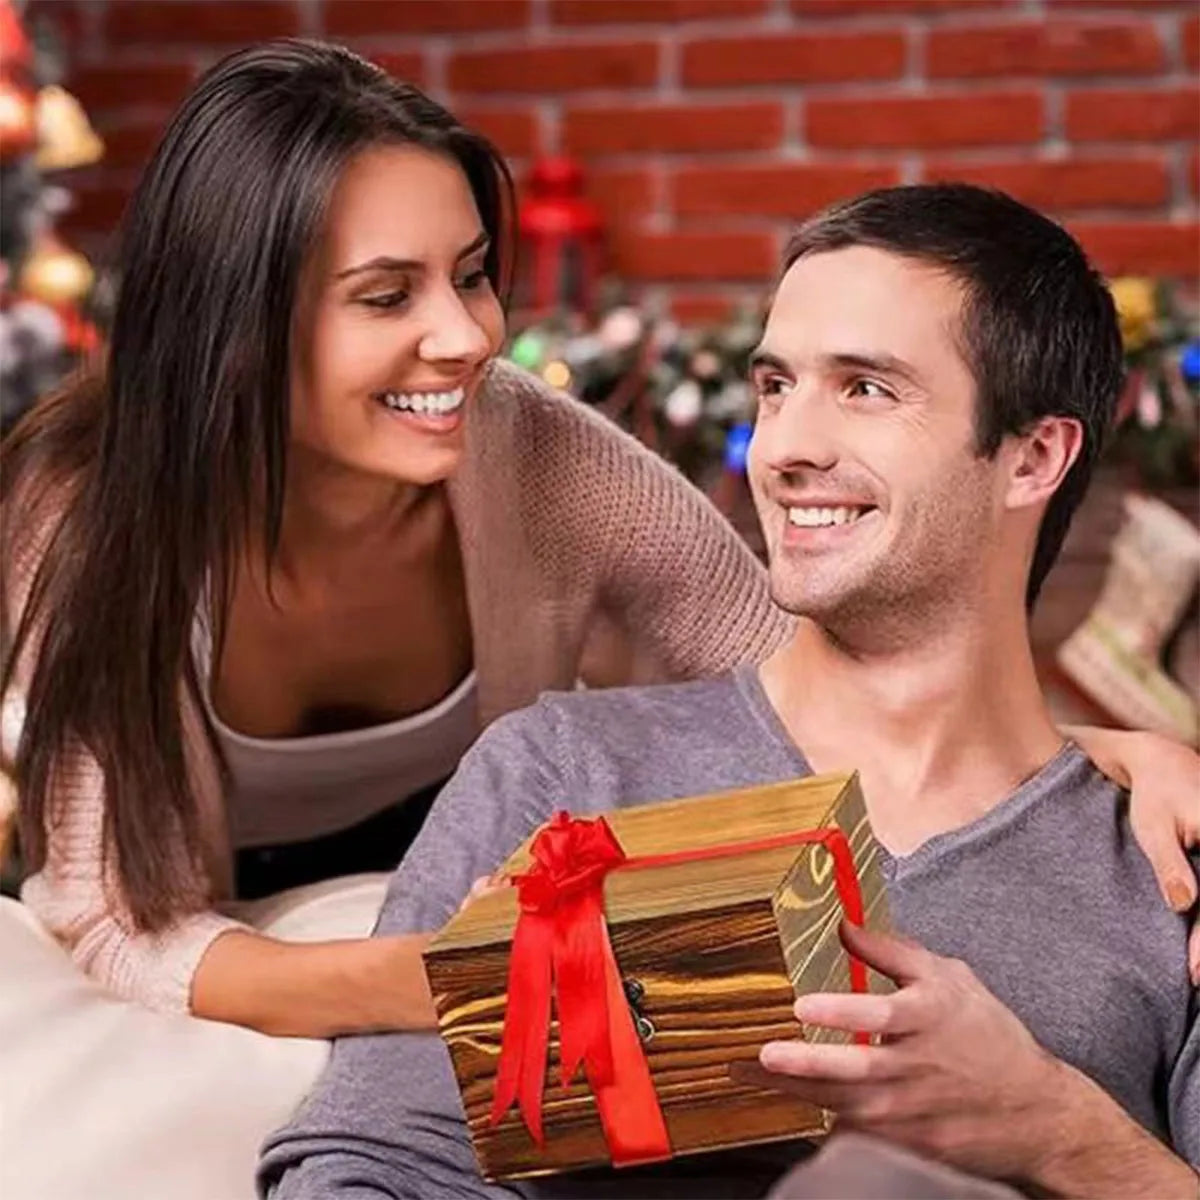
{"x": 276, "y": 569}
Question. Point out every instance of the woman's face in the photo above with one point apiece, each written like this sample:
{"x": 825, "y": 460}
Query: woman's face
{"x": 396, "y": 319}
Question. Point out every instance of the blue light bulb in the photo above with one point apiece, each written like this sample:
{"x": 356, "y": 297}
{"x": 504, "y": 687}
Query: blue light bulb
{"x": 737, "y": 446}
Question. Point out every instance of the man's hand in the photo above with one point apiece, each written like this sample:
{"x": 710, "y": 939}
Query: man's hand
{"x": 955, "y": 1075}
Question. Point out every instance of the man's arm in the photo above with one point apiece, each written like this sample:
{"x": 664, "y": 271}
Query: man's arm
{"x": 1094, "y": 1148}
{"x": 384, "y": 1121}
{"x": 385, "y": 1118}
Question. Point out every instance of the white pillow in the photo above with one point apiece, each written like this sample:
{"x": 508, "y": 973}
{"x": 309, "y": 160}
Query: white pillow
{"x": 101, "y": 1099}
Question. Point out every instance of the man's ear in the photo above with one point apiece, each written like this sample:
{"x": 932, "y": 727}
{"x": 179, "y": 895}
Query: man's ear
{"x": 1039, "y": 460}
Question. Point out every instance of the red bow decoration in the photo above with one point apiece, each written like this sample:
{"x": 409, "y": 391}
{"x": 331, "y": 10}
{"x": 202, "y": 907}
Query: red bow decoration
{"x": 561, "y": 943}
{"x": 561, "y": 934}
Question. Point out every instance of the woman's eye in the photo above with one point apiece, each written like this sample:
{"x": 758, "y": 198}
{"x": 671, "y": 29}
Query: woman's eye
{"x": 385, "y": 300}
{"x": 870, "y": 389}
{"x": 476, "y": 279}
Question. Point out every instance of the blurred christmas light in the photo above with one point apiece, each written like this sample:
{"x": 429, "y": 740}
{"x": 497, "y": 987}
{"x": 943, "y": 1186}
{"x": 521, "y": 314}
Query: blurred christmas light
{"x": 1189, "y": 363}
{"x": 55, "y": 274}
{"x": 557, "y": 374}
{"x": 737, "y": 447}
{"x": 527, "y": 350}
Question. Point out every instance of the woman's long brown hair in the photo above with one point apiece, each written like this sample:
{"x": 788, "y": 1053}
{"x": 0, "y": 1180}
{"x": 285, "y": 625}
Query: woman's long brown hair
{"x": 141, "y": 486}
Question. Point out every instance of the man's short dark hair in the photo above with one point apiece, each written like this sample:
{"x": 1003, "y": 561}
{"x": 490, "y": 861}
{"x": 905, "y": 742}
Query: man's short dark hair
{"x": 1039, "y": 328}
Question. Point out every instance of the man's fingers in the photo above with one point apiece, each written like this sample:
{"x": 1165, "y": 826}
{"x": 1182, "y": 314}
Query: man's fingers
{"x": 1159, "y": 837}
{"x": 896, "y": 957}
{"x": 857, "y": 1012}
{"x": 837, "y": 1097}
{"x": 831, "y": 1063}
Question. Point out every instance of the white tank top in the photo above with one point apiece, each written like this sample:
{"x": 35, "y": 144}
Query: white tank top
{"x": 293, "y": 789}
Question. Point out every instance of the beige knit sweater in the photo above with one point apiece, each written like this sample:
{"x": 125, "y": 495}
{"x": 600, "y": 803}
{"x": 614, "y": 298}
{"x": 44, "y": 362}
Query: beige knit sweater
{"x": 563, "y": 520}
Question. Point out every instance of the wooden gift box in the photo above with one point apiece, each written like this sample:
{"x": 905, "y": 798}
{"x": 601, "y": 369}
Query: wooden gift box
{"x": 714, "y": 952}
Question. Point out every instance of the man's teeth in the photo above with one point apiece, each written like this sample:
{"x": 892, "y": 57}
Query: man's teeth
{"x": 815, "y": 518}
{"x": 435, "y": 404}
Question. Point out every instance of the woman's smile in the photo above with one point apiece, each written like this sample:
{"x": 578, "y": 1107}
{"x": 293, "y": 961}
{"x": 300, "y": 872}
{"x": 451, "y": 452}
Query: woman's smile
{"x": 430, "y": 412}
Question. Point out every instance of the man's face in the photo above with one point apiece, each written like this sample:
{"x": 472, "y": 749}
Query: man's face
{"x": 872, "y": 499}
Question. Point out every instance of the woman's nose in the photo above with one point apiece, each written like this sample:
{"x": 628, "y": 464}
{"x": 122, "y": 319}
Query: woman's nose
{"x": 452, "y": 333}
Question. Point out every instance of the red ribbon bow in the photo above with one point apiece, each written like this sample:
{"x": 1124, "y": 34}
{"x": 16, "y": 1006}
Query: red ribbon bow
{"x": 561, "y": 944}
{"x": 561, "y": 934}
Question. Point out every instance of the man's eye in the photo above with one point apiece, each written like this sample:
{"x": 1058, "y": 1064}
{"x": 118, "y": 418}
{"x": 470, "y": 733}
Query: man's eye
{"x": 770, "y": 387}
{"x": 385, "y": 300}
{"x": 870, "y": 389}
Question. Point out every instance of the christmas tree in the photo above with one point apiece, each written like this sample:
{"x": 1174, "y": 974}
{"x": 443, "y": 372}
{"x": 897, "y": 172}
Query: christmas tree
{"x": 45, "y": 286}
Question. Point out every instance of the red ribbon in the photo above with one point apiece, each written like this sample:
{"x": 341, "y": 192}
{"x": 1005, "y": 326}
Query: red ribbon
{"x": 561, "y": 944}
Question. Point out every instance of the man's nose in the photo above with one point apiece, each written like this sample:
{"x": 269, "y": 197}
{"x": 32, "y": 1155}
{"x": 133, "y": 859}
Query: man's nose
{"x": 802, "y": 432}
{"x": 452, "y": 334}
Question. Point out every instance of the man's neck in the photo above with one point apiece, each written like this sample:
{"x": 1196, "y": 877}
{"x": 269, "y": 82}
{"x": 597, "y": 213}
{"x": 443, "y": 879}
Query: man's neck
{"x": 940, "y": 731}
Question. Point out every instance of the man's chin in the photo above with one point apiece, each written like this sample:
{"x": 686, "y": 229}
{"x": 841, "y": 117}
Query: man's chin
{"x": 814, "y": 606}
{"x": 806, "y": 590}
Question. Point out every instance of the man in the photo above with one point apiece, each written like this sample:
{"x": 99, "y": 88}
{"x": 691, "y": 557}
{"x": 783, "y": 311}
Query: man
{"x": 936, "y": 373}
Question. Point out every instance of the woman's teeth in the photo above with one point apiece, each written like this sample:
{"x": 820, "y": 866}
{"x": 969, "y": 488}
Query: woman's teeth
{"x": 816, "y": 518}
{"x": 433, "y": 404}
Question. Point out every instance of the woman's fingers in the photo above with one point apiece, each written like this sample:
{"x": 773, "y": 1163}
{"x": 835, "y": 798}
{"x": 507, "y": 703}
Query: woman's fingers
{"x": 483, "y": 885}
{"x": 1161, "y": 833}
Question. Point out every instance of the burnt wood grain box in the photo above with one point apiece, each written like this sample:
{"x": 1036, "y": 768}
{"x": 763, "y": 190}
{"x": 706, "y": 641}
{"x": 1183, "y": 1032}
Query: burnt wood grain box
{"x": 712, "y": 947}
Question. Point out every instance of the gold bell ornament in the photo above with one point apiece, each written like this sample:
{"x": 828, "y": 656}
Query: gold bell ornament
{"x": 65, "y": 136}
{"x": 55, "y": 274}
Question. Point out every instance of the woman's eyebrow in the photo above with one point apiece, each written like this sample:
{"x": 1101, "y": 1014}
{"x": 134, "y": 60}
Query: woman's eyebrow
{"x": 385, "y": 262}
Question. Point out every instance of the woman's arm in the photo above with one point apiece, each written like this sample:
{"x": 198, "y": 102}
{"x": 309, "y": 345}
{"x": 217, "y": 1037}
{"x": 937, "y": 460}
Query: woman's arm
{"x": 678, "y": 593}
{"x": 207, "y": 963}
{"x": 73, "y": 894}
{"x": 1163, "y": 779}
{"x": 78, "y": 901}
{"x": 217, "y": 968}
{"x": 314, "y": 989}
{"x": 683, "y": 583}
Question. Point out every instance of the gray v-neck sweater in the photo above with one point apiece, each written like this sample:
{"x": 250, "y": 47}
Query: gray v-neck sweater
{"x": 1047, "y": 897}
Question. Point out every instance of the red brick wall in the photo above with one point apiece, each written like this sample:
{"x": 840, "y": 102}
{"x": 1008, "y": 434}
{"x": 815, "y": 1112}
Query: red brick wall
{"x": 708, "y": 126}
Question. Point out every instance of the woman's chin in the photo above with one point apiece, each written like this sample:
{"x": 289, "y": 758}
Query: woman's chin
{"x": 423, "y": 470}
{"x": 420, "y": 462}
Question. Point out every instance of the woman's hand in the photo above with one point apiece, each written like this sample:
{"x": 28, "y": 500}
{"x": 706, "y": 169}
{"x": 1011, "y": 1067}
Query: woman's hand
{"x": 1163, "y": 778}
{"x": 483, "y": 885}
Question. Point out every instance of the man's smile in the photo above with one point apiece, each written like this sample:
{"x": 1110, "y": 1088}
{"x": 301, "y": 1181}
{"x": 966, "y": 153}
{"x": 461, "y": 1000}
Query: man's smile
{"x": 820, "y": 516}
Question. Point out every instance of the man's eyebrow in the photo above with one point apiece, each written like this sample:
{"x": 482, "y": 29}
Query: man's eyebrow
{"x": 764, "y": 358}
{"x": 880, "y": 362}
{"x": 384, "y": 262}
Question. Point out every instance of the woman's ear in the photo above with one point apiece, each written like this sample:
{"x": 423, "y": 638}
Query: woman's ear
{"x": 1040, "y": 459}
